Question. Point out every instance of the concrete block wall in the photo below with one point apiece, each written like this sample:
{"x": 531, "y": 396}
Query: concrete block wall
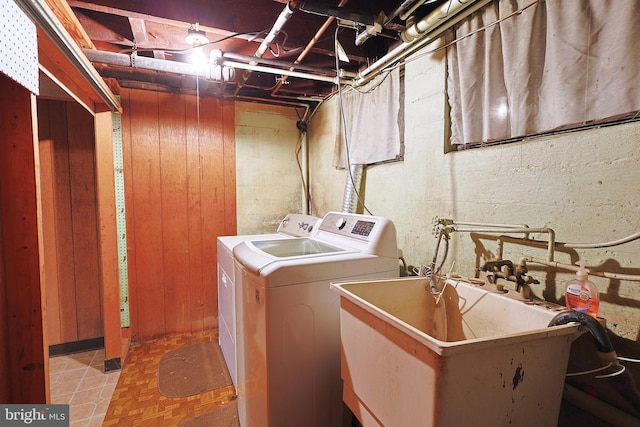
{"x": 585, "y": 185}
{"x": 267, "y": 175}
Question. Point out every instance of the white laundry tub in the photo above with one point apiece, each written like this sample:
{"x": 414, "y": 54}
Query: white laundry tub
{"x": 501, "y": 364}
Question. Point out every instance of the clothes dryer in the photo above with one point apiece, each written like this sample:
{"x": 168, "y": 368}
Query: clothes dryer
{"x": 291, "y": 226}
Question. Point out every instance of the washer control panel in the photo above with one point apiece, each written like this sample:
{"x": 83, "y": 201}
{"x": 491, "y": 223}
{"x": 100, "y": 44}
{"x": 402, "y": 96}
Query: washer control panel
{"x": 350, "y": 225}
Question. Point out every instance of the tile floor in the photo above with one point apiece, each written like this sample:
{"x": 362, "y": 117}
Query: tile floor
{"x": 79, "y": 380}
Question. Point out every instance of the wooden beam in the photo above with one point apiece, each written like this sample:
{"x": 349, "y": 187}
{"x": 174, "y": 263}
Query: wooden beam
{"x": 139, "y": 31}
{"x": 108, "y": 245}
{"x": 151, "y": 18}
{"x": 70, "y": 22}
{"x": 60, "y": 70}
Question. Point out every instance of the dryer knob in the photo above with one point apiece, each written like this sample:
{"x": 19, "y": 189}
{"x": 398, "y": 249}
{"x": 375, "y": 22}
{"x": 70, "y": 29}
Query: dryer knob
{"x": 341, "y": 223}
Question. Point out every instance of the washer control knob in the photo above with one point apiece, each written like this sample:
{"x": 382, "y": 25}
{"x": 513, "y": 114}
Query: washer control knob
{"x": 341, "y": 223}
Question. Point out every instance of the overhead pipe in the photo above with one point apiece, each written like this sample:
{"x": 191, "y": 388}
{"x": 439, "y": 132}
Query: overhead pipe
{"x": 409, "y": 10}
{"x": 283, "y": 64}
{"x": 422, "y": 33}
{"x": 310, "y": 45}
{"x": 401, "y": 9}
{"x": 273, "y": 33}
{"x": 155, "y": 64}
{"x": 262, "y": 69}
{"x": 42, "y": 16}
{"x": 146, "y": 63}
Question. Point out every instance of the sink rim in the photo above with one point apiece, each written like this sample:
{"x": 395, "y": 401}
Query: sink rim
{"x": 448, "y": 348}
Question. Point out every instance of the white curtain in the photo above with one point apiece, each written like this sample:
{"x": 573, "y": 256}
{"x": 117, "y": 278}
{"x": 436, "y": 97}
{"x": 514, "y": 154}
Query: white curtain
{"x": 372, "y": 123}
{"x": 559, "y": 63}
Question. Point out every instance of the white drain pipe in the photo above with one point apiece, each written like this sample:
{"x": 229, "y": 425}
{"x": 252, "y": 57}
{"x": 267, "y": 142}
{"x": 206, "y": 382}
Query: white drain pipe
{"x": 275, "y": 30}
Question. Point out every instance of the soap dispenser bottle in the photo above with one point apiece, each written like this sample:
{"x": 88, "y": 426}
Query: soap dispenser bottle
{"x": 581, "y": 294}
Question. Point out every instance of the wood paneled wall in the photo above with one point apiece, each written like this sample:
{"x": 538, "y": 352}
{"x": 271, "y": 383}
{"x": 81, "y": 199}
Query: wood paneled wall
{"x": 179, "y": 155}
{"x": 70, "y": 223}
{"x": 23, "y": 356}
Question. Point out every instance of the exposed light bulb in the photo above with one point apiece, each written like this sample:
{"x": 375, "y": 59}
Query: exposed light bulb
{"x": 196, "y": 37}
{"x": 197, "y": 56}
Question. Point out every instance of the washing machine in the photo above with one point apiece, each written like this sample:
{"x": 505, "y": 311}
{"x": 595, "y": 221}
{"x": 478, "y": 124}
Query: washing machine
{"x": 291, "y": 226}
{"x": 288, "y": 325}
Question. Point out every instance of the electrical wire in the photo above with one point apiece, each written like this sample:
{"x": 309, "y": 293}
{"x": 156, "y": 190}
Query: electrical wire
{"x": 230, "y": 36}
{"x": 627, "y": 359}
{"x": 371, "y": 88}
{"x": 602, "y": 368}
{"x": 344, "y": 124}
{"x": 613, "y": 374}
{"x": 305, "y": 185}
{"x": 591, "y": 371}
{"x": 280, "y": 47}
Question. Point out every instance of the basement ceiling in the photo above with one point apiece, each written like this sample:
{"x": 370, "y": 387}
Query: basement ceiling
{"x": 142, "y": 43}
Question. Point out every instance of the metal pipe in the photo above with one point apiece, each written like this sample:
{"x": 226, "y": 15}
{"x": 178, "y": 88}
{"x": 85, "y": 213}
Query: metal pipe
{"x": 604, "y": 244}
{"x": 605, "y": 274}
{"x": 549, "y": 231}
{"x": 402, "y": 7}
{"x": 310, "y": 45}
{"x": 427, "y": 35}
{"x": 143, "y": 62}
{"x": 486, "y": 224}
{"x": 167, "y": 66}
{"x": 441, "y": 15}
{"x": 283, "y": 64}
{"x": 42, "y": 16}
{"x": 277, "y": 71}
{"x": 404, "y": 14}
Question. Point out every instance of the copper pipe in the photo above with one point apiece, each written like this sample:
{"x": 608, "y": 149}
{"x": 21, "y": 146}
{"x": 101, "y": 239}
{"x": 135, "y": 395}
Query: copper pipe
{"x": 309, "y": 46}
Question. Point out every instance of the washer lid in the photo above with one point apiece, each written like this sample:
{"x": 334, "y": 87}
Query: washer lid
{"x": 294, "y": 247}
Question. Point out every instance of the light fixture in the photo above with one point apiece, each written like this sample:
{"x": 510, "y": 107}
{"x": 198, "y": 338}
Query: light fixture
{"x": 195, "y": 36}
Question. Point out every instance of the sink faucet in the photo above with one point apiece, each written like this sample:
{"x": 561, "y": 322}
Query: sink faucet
{"x": 504, "y": 269}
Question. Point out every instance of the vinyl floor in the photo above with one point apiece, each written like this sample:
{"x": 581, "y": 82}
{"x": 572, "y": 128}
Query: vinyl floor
{"x": 131, "y": 398}
{"x": 136, "y": 400}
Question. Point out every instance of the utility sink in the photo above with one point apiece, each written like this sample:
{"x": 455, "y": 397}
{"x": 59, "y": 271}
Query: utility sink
{"x": 474, "y": 357}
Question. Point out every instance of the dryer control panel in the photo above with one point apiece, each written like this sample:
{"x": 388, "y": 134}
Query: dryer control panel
{"x": 298, "y": 225}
